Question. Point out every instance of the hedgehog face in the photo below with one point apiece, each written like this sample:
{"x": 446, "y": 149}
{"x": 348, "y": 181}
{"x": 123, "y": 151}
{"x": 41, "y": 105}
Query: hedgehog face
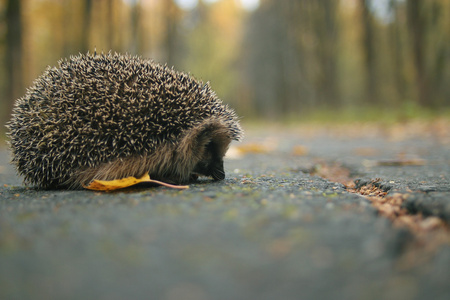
{"x": 203, "y": 148}
{"x": 211, "y": 163}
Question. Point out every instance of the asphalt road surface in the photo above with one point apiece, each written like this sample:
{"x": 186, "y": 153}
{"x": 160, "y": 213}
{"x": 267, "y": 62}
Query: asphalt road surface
{"x": 271, "y": 230}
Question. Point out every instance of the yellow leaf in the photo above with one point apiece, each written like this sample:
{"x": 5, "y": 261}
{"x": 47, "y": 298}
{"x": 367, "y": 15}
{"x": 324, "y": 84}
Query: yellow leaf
{"x": 111, "y": 185}
{"x": 254, "y": 148}
{"x": 300, "y": 150}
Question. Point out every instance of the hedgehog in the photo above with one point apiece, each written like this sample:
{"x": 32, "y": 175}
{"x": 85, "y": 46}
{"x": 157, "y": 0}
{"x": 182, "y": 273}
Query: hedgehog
{"x": 109, "y": 116}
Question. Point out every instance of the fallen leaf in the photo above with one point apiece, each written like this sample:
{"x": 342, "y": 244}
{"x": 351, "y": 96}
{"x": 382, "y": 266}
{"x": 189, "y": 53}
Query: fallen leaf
{"x": 366, "y": 151}
{"x": 299, "y": 150}
{"x": 254, "y": 148}
{"x": 111, "y": 185}
{"x": 233, "y": 153}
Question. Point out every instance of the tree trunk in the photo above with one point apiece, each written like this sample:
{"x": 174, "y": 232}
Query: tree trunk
{"x": 397, "y": 53}
{"x": 86, "y": 26}
{"x": 416, "y": 26}
{"x": 13, "y": 54}
{"x": 110, "y": 21}
{"x": 171, "y": 26}
{"x": 136, "y": 43}
{"x": 369, "y": 53}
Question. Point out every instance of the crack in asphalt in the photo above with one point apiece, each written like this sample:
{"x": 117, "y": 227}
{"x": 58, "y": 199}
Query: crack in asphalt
{"x": 429, "y": 227}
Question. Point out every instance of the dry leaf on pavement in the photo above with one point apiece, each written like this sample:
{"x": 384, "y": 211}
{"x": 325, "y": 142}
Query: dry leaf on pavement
{"x": 111, "y": 185}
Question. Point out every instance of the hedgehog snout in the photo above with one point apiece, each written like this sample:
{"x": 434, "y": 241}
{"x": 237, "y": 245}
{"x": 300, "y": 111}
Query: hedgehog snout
{"x": 217, "y": 171}
{"x": 213, "y": 168}
{"x": 211, "y": 163}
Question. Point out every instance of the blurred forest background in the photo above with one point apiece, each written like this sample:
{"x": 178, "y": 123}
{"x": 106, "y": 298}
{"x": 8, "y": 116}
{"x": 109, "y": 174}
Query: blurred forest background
{"x": 269, "y": 59}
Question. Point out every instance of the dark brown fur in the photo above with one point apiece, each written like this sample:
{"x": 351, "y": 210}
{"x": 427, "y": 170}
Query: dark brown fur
{"x": 199, "y": 152}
